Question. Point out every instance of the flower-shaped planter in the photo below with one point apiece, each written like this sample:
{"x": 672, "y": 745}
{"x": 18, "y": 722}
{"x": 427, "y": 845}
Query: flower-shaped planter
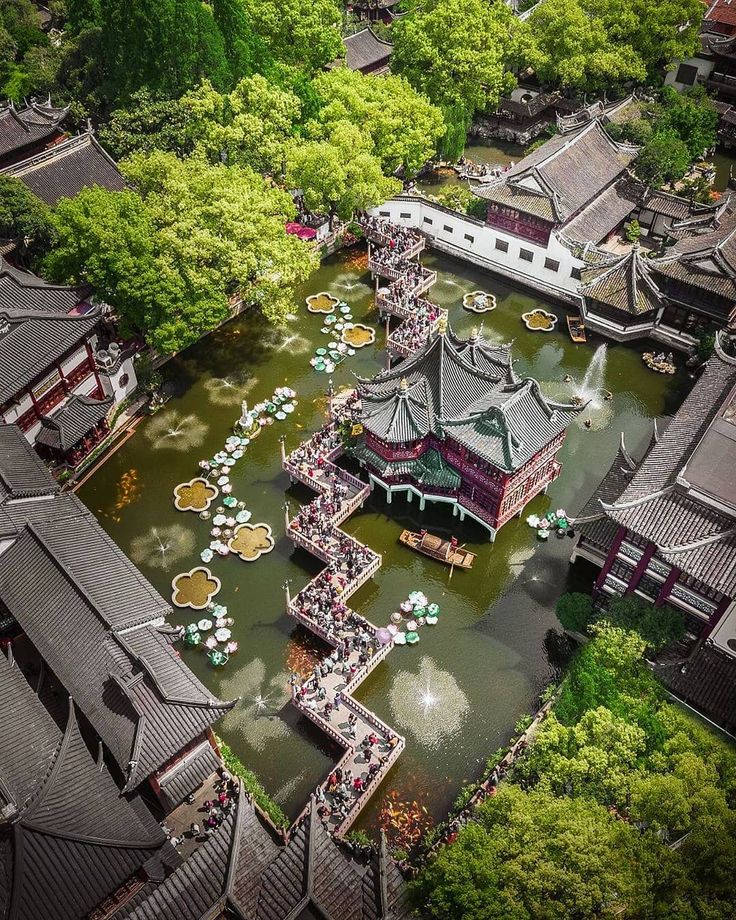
{"x": 322, "y": 303}
{"x": 251, "y": 541}
{"x": 195, "y": 588}
{"x": 195, "y": 495}
{"x": 539, "y": 320}
{"x": 358, "y": 335}
{"x": 479, "y": 302}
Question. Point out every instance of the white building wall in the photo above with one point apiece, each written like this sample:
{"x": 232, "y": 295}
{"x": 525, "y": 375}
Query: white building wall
{"x": 704, "y": 66}
{"x": 474, "y": 241}
{"x": 121, "y": 382}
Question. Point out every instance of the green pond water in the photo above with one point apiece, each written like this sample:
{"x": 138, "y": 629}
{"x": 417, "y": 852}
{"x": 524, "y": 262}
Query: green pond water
{"x": 457, "y": 694}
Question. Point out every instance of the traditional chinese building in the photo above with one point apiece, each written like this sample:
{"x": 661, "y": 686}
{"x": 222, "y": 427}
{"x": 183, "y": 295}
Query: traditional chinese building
{"x": 28, "y": 130}
{"x": 57, "y": 382}
{"x": 453, "y": 423}
{"x": 687, "y": 291}
{"x": 81, "y": 621}
{"x": 664, "y": 528}
{"x": 366, "y": 52}
{"x": 64, "y": 169}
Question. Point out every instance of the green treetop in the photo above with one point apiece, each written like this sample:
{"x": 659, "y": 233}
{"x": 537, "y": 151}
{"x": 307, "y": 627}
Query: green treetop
{"x": 304, "y": 33}
{"x": 456, "y": 51}
{"x": 339, "y": 175}
{"x": 402, "y": 124}
{"x": 171, "y": 258}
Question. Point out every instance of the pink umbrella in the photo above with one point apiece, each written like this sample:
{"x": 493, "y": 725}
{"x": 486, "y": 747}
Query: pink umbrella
{"x": 383, "y": 636}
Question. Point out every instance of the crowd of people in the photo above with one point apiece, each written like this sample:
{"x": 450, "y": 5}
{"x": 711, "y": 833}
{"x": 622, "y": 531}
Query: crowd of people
{"x": 414, "y": 331}
{"x": 396, "y": 238}
{"x": 214, "y": 811}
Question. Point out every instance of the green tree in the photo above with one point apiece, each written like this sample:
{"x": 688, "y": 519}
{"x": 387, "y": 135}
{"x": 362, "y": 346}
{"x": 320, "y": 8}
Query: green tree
{"x": 339, "y": 175}
{"x": 595, "y": 758}
{"x": 223, "y": 229}
{"x": 574, "y": 611}
{"x": 664, "y": 158}
{"x": 403, "y": 125}
{"x": 457, "y": 52}
{"x": 303, "y": 33}
{"x": 658, "y": 626}
{"x": 83, "y": 14}
{"x": 693, "y": 116}
{"x": 24, "y": 219}
{"x": 166, "y": 46}
{"x": 148, "y": 123}
{"x": 572, "y": 48}
{"x": 246, "y": 51}
{"x": 533, "y": 856}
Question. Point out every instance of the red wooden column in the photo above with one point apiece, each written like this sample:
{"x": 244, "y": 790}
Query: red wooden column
{"x": 610, "y": 559}
{"x": 669, "y": 583}
{"x": 641, "y": 567}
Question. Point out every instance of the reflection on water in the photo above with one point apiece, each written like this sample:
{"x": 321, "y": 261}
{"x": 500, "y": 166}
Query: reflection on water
{"x": 488, "y": 657}
{"x": 228, "y": 391}
{"x": 160, "y": 547}
{"x": 255, "y": 717}
{"x": 171, "y": 430}
{"x": 428, "y": 704}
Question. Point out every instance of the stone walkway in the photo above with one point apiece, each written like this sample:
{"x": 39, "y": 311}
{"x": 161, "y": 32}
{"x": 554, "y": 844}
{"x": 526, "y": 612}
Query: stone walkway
{"x": 335, "y": 725}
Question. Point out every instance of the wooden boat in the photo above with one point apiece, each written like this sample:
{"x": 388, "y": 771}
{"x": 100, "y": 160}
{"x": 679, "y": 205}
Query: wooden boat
{"x": 437, "y": 548}
{"x": 576, "y": 328}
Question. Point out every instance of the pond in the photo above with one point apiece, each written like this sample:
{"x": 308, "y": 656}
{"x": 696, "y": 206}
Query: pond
{"x": 497, "y": 153}
{"x": 457, "y": 694}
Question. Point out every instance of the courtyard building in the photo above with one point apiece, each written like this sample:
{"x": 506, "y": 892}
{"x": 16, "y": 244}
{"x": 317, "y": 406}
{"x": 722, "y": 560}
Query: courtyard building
{"x": 29, "y": 130}
{"x": 454, "y": 424}
{"x": 62, "y": 367}
{"x": 664, "y": 528}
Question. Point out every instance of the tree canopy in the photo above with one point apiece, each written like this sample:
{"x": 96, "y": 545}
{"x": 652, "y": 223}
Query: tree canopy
{"x": 170, "y": 258}
{"x": 597, "y": 44}
{"x": 403, "y": 125}
{"x": 303, "y": 33}
{"x": 24, "y": 218}
{"x": 457, "y": 52}
{"x": 340, "y": 174}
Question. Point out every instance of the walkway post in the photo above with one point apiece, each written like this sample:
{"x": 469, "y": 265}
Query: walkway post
{"x": 286, "y": 516}
{"x": 286, "y": 588}
{"x": 282, "y": 442}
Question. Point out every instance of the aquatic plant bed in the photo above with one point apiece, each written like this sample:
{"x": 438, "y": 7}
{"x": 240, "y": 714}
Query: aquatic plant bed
{"x": 539, "y": 321}
{"x": 195, "y": 588}
{"x": 322, "y": 303}
{"x": 358, "y": 335}
{"x": 251, "y": 541}
{"x": 479, "y": 302}
{"x": 195, "y": 495}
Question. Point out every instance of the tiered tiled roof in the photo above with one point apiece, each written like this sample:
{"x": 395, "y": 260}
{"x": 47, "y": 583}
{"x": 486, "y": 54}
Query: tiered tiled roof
{"x": 466, "y": 389}
{"x": 607, "y": 211}
{"x": 625, "y": 284}
{"x": 561, "y": 177}
{"x": 704, "y": 260}
{"x": 364, "y": 50}
{"x": 26, "y": 127}
{"x": 707, "y": 681}
{"x": 93, "y": 618}
{"x": 694, "y": 536}
{"x": 244, "y": 871}
{"x": 72, "y": 839}
{"x": 77, "y": 416}
{"x": 39, "y": 323}
{"x": 66, "y": 168}
{"x": 21, "y": 475}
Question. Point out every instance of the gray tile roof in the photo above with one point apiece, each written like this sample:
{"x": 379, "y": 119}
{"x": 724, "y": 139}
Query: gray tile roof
{"x": 196, "y": 890}
{"x": 72, "y": 421}
{"x": 569, "y": 170}
{"x": 66, "y": 168}
{"x": 28, "y": 126}
{"x": 23, "y": 294}
{"x": 365, "y": 50}
{"x": 22, "y": 474}
{"x": 626, "y": 284}
{"x": 75, "y": 839}
{"x": 707, "y": 681}
{"x": 694, "y": 536}
{"x": 467, "y": 390}
{"x": 508, "y": 426}
{"x": 72, "y": 590}
{"x": 607, "y": 211}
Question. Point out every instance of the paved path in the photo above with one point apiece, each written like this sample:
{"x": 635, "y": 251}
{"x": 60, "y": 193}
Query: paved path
{"x": 390, "y": 745}
{"x": 313, "y": 463}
